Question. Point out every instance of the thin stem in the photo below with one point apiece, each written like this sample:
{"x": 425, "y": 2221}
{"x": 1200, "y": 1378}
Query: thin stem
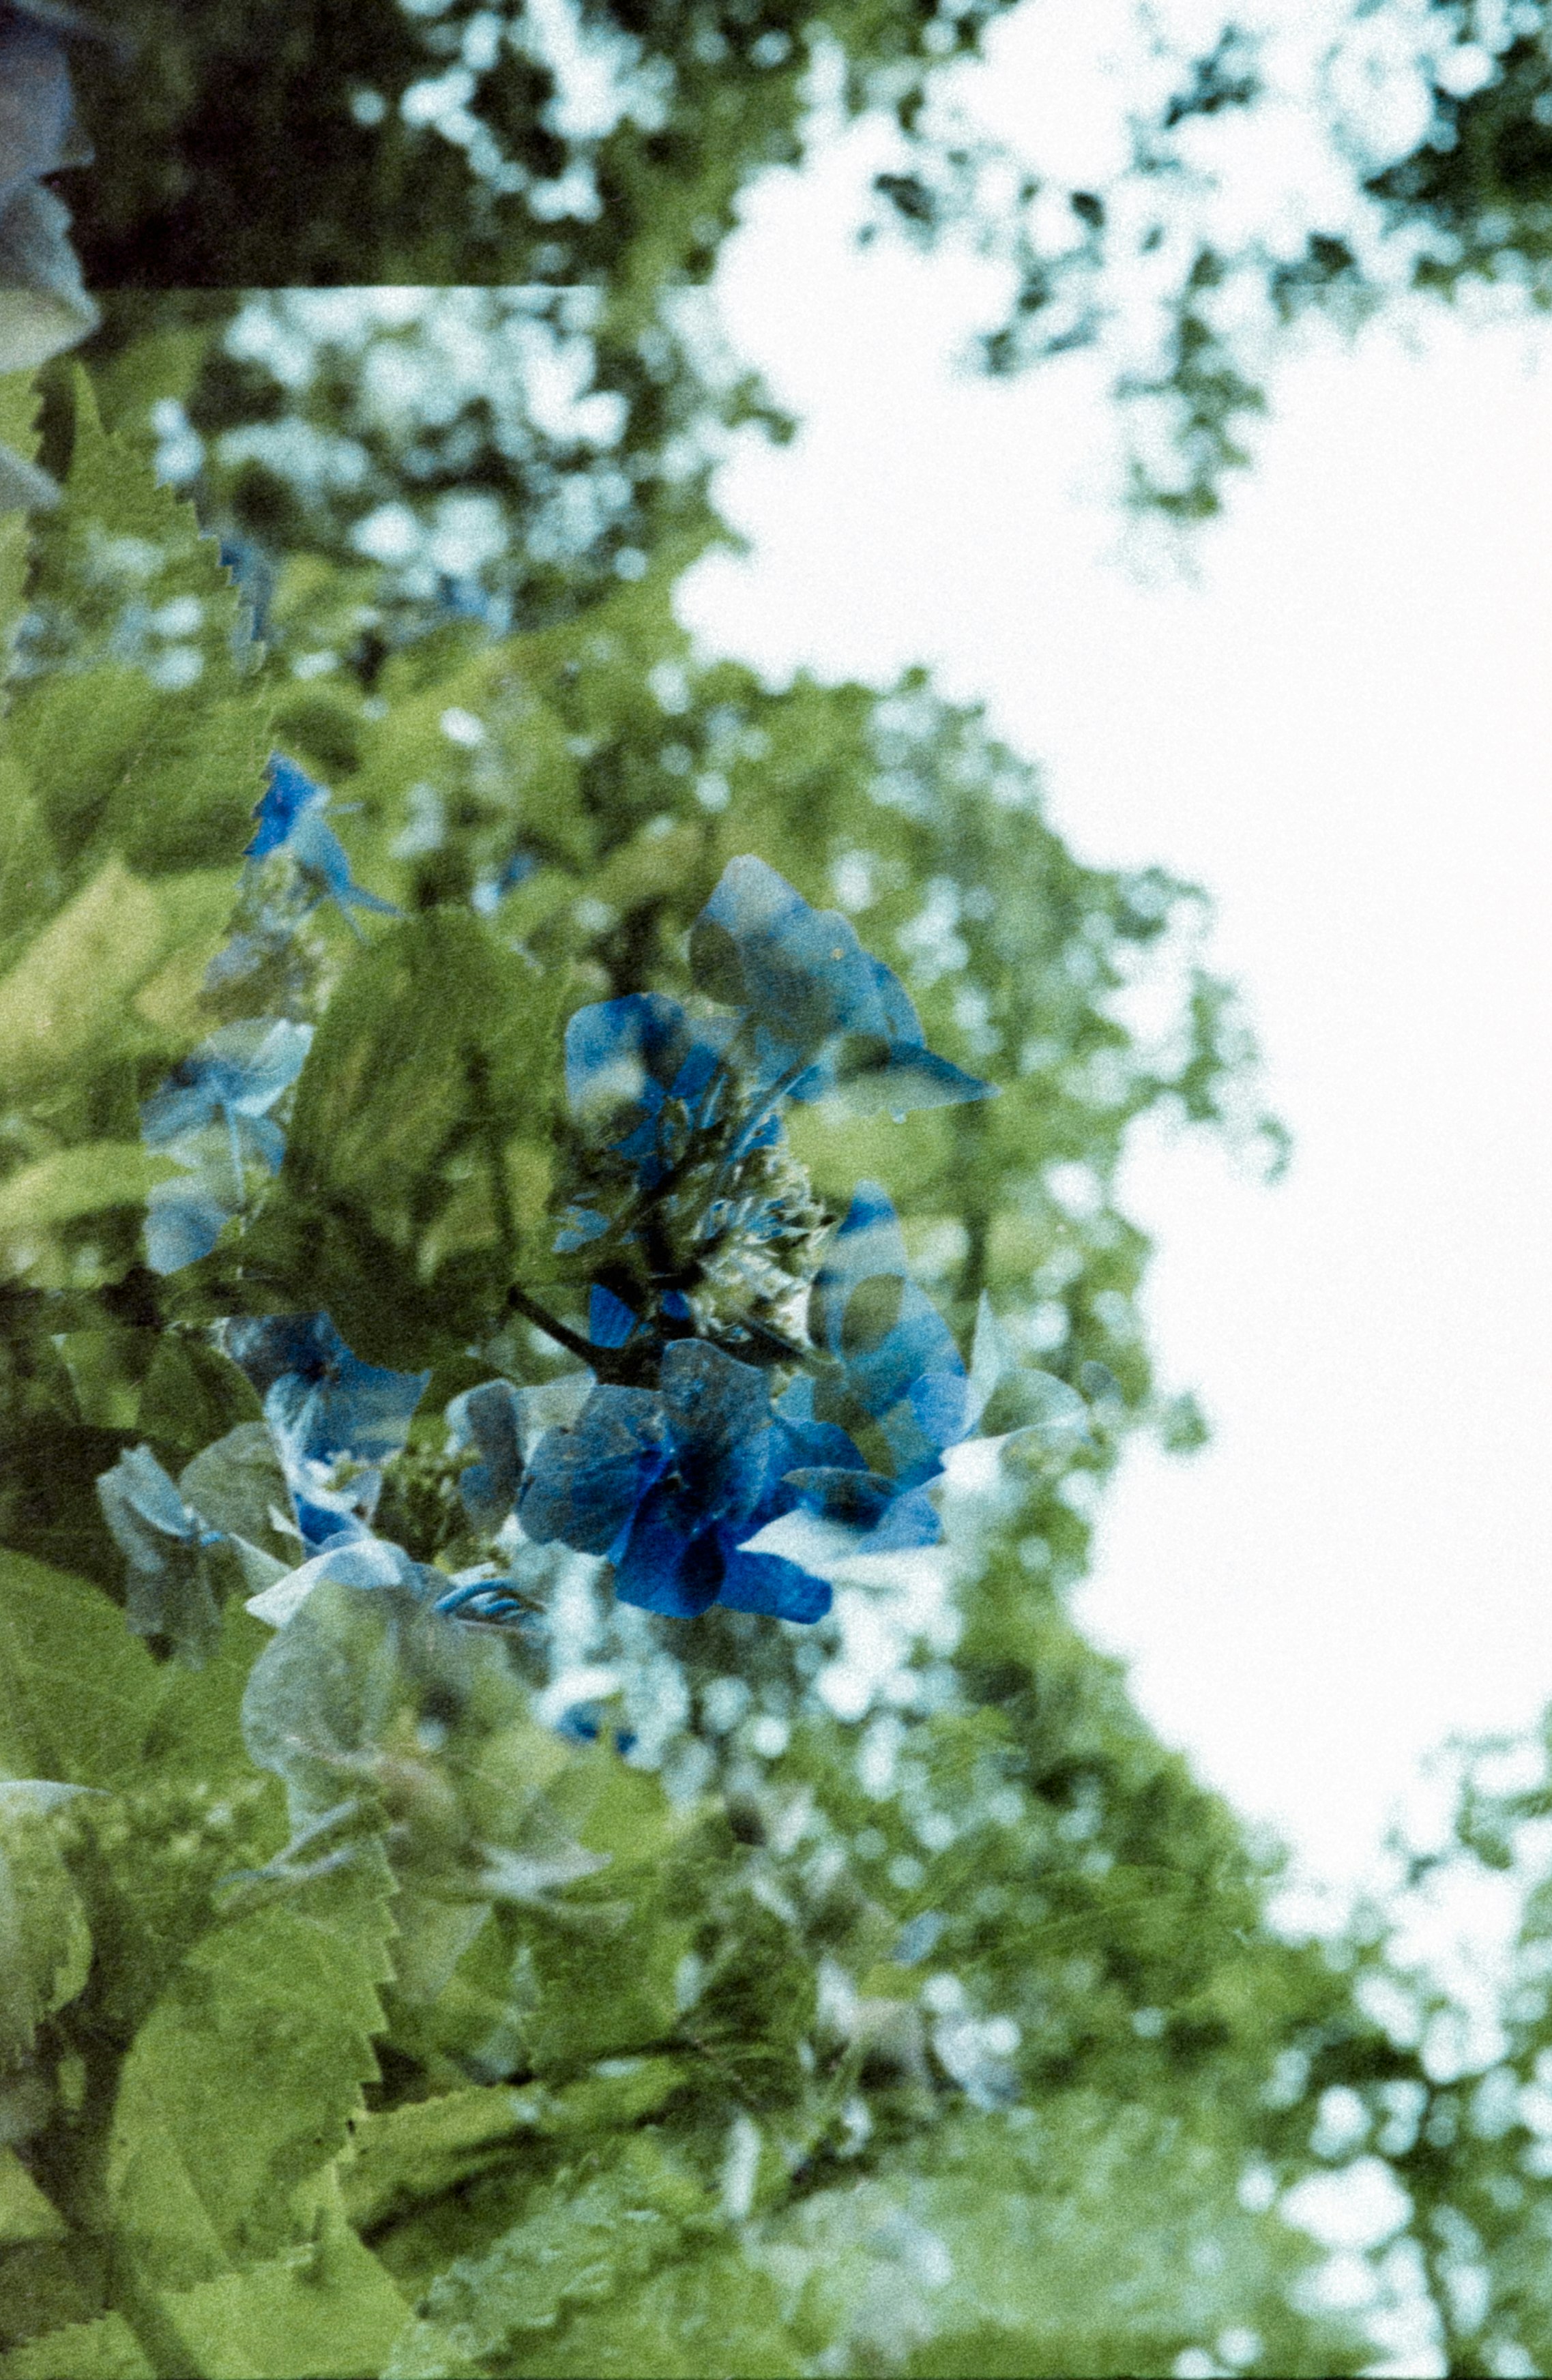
{"x": 519, "y": 1301}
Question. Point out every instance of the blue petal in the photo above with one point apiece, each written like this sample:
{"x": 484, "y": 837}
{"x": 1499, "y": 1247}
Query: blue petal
{"x": 803, "y": 972}
{"x": 578, "y": 1225}
{"x": 487, "y": 1418}
{"x": 584, "y": 1483}
{"x": 857, "y": 1498}
{"x": 183, "y": 1223}
{"x": 816, "y": 994}
{"x": 609, "y": 1319}
{"x": 239, "y": 1071}
{"x": 667, "y": 1564}
{"x": 290, "y": 791}
{"x": 895, "y": 1078}
{"x": 933, "y": 1415}
{"x": 35, "y": 77}
{"x": 766, "y": 1583}
{"x": 318, "y": 849}
{"x": 911, "y": 1520}
{"x": 163, "y": 1542}
{"x": 358, "y": 1409}
{"x": 267, "y": 1345}
{"x": 868, "y": 1313}
{"x": 718, "y": 1409}
{"x": 620, "y": 1052}
{"x": 320, "y": 1401}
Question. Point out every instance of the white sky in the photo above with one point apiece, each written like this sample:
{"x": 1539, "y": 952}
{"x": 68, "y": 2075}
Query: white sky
{"x": 1344, "y": 730}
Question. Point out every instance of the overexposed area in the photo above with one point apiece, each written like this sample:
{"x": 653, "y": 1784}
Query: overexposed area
{"x": 1338, "y": 718}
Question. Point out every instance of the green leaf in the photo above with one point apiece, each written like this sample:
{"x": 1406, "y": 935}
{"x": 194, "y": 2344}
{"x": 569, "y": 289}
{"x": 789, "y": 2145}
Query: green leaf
{"x": 194, "y": 1399}
{"x": 106, "y": 2349}
{"x": 438, "y": 1049}
{"x": 595, "y": 1998}
{"x": 72, "y": 994}
{"x": 712, "y": 2314}
{"x": 73, "y": 1182}
{"x": 25, "y": 2213}
{"x": 159, "y": 758}
{"x": 327, "y": 2312}
{"x": 415, "y": 2151}
{"x": 77, "y": 1692}
{"x": 581, "y": 2240}
{"x": 242, "y": 2080}
{"x": 30, "y": 881}
{"x": 196, "y": 1730}
{"x": 45, "y": 1943}
{"x": 19, "y": 442}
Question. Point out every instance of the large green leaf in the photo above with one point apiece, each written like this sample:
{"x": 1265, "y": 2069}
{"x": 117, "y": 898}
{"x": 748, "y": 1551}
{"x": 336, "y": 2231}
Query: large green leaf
{"x": 326, "y": 2312}
{"x": 77, "y": 1690}
{"x": 242, "y": 2080}
{"x": 418, "y": 1161}
{"x": 157, "y": 758}
{"x": 72, "y": 995}
{"x": 582, "y": 2241}
{"x": 438, "y": 1047}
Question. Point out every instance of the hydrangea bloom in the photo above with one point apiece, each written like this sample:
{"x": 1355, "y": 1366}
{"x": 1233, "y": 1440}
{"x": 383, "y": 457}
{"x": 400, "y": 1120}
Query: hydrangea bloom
{"x": 688, "y": 1202}
{"x": 225, "y": 1091}
{"x": 768, "y": 1394}
{"x": 672, "y": 1485}
{"x": 335, "y": 1420}
{"x": 825, "y": 1017}
{"x": 290, "y": 818}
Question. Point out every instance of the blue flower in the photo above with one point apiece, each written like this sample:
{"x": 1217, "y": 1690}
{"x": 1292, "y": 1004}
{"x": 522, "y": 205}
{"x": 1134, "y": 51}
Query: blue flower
{"x": 165, "y": 1543}
{"x": 366, "y": 1562}
{"x": 893, "y": 1354}
{"x": 230, "y": 1082}
{"x": 326, "y": 1409}
{"x": 641, "y": 1063}
{"x": 814, "y": 1015}
{"x": 827, "y": 1017}
{"x": 290, "y": 818}
{"x": 670, "y": 1485}
{"x": 234, "y": 1077}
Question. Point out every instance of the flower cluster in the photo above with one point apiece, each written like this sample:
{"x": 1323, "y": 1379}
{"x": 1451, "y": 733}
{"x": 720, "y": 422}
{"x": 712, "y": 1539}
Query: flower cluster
{"x": 765, "y": 1394}
{"x": 752, "y": 1367}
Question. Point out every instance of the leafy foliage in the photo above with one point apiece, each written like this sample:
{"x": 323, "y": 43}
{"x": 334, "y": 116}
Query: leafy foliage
{"x": 440, "y": 1964}
{"x": 366, "y": 2016}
